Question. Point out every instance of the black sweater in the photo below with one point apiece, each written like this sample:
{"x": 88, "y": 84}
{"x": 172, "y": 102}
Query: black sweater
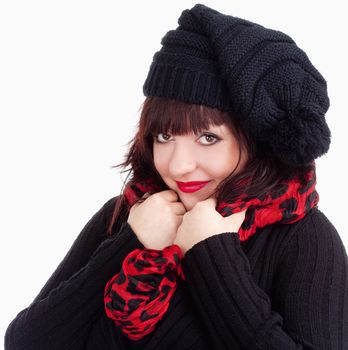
{"x": 284, "y": 288}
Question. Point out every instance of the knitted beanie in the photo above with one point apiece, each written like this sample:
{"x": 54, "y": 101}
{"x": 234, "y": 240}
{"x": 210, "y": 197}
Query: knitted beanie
{"x": 255, "y": 73}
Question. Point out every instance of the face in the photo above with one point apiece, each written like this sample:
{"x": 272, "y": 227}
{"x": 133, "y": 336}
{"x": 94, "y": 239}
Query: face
{"x": 209, "y": 156}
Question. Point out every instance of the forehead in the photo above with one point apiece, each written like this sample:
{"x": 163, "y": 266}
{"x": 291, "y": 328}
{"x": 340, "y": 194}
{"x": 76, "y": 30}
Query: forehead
{"x": 220, "y": 129}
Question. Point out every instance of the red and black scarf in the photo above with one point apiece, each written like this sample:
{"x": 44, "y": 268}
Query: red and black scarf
{"x": 139, "y": 295}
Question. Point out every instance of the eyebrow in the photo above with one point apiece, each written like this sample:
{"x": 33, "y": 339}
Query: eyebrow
{"x": 216, "y": 129}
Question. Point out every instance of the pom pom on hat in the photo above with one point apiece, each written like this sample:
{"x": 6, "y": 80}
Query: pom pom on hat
{"x": 260, "y": 74}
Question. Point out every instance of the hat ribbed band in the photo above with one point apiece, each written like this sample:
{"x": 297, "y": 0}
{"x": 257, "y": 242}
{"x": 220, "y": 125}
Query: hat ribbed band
{"x": 187, "y": 85}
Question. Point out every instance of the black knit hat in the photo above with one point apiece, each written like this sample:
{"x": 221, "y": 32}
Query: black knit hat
{"x": 257, "y": 73}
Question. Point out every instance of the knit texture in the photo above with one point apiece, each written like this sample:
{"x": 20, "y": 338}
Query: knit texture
{"x": 284, "y": 288}
{"x": 256, "y": 73}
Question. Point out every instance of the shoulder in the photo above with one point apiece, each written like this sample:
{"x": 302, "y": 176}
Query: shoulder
{"x": 109, "y": 206}
{"x": 95, "y": 230}
{"x": 106, "y": 210}
{"x": 318, "y": 226}
{"x": 98, "y": 223}
{"x": 103, "y": 212}
{"x": 109, "y": 215}
{"x": 315, "y": 237}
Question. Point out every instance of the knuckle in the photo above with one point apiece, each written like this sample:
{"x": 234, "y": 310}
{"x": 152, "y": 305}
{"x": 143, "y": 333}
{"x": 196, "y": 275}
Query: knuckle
{"x": 156, "y": 198}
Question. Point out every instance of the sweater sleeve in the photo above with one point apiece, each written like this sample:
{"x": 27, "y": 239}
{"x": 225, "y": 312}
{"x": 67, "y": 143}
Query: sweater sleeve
{"x": 83, "y": 247}
{"x": 62, "y": 315}
{"x": 308, "y": 306}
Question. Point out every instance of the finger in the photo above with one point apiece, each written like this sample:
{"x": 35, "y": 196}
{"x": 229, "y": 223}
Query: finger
{"x": 133, "y": 207}
{"x": 178, "y": 208}
{"x": 179, "y": 219}
{"x": 211, "y": 201}
{"x": 141, "y": 199}
{"x": 243, "y": 212}
{"x": 169, "y": 195}
{"x": 145, "y": 195}
{"x": 240, "y": 216}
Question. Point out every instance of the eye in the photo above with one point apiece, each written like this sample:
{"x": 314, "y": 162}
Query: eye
{"x": 210, "y": 138}
{"x": 165, "y": 137}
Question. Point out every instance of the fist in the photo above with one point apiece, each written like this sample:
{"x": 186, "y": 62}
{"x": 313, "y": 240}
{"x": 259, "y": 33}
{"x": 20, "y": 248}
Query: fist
{"x": 155, "y": 221}
{"x": 203, "y": 221}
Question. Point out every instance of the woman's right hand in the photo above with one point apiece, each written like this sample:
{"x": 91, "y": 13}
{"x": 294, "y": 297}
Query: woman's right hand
{"x": 156, "y": 220}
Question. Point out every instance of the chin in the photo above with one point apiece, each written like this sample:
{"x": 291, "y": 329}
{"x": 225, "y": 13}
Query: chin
{"x": 187, "y": 206}
{"x": 189, "y": 202}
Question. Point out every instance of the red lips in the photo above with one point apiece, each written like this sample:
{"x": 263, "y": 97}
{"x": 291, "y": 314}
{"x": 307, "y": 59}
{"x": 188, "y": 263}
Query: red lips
{"x": 192, "y": 186}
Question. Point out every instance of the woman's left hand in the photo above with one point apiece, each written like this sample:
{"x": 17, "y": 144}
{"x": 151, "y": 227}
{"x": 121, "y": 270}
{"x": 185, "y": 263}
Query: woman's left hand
{"x": 203, "y": 221}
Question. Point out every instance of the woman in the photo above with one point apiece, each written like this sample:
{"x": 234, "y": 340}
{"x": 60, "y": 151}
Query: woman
{"x": 244, "y": 259}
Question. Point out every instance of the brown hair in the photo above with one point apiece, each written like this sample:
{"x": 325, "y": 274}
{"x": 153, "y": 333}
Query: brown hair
{"x": 161, "y": 115}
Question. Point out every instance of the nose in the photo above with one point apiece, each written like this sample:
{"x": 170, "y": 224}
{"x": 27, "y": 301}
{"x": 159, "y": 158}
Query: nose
{"x": 182, "y": 161}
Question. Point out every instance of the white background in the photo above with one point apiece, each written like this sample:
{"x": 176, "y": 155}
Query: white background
{"x": 71, "y": 77}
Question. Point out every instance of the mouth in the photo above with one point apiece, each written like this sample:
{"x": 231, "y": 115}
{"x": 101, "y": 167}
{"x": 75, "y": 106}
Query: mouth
{"x": 190, "y": 187}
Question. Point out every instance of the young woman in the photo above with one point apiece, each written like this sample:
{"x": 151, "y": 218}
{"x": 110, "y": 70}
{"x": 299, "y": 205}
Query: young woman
{"x": 216, "y": 241}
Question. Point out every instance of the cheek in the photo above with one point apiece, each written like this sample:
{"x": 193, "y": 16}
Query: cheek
{"x": 160, "y": 160}
{"x": 220, "y": 170}
{"x": 223, "y": 163}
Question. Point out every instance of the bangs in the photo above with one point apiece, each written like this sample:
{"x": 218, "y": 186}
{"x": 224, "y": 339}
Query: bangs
{"x": 162, "y": 115}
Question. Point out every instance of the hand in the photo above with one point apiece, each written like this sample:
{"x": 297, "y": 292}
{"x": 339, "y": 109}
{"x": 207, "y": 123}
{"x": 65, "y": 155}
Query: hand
{"x": 203, "y": 221}
{"x": 156, "y": 220}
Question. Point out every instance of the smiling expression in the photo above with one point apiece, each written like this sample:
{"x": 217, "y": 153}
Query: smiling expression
{"x": 211, "y": 155}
